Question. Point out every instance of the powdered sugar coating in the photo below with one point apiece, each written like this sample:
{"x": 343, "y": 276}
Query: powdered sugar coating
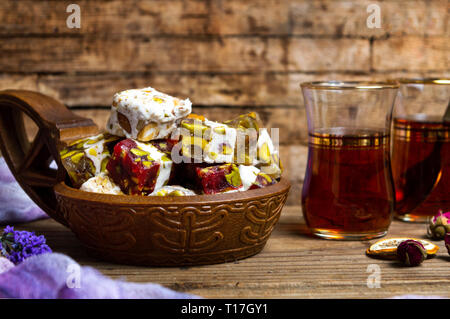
{"x": 151, "y": 114}
{"x": 101, "y": 184}
{"x": 248, "y": 175}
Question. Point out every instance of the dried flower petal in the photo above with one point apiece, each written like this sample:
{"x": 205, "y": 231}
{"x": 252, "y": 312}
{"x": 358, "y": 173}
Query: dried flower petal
{"x": 411, "y": 252}
{"x": 439, "y": 225}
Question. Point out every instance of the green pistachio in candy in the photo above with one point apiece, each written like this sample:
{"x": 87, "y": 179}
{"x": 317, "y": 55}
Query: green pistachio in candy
{"x": 233, "y": 178}
{"x": 86, "y": 158}
{"x": 245, "y": 121}
{"x": 439, "y": 225}
{"x": 411, "y": 252}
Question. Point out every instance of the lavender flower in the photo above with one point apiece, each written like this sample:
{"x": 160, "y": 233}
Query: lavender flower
{"x": 17, "y": 245}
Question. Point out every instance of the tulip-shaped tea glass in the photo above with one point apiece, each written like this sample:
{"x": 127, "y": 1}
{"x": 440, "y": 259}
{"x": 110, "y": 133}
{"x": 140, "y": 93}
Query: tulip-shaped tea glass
{"x": 421, "y": 148}
{"x": 348, "y": 190}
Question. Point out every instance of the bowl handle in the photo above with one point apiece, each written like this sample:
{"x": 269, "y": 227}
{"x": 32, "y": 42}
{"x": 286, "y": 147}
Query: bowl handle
{"x": 31, "y": 161}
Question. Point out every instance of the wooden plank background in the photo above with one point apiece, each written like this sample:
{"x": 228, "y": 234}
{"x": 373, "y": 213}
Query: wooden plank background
{"x": 227, "y": 56}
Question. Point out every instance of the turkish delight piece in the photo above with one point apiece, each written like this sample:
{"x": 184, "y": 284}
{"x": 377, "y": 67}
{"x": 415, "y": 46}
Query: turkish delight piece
{"x": 253, "y": 178}
{"x": 245, "y": 121}
{"x": 268, "y": 159}
{"x": 185, "y": 174}
{"x": 219, "y": 178}
{"x": 146, "y": 114}
{"x": 87, "y": 157}
{"x": 164, "y": 145}
{"x": 207, "y": 141}
{"x": 139, "y": 168}
{"x": 262, "y": 180}
{"x": 259, "y": 149}
{"x": 173, "y": 190}
{"x": 101, "y": 184}
{"x": 247, "y": 126}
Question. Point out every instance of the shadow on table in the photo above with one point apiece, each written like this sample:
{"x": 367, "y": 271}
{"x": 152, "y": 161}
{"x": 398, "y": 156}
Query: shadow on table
{"x": 294, "y": 228}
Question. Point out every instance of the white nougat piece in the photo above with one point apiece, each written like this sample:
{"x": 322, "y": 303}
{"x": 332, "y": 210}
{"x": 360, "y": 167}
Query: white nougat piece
{"x": 221, "y": 143}
{"x": 208, "y": 141}
{"x": 264, "y": 138}
{"x": 268, "y": 158}
{"x": 248, "y": 175}
{"x": 173, "y": 190}
{"x": 101, "y": 184}
{"x": 146, "y": 114}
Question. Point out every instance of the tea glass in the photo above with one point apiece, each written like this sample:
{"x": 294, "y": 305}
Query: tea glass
{"x": 421, "y": 149}
{"x": 348, "y": 190}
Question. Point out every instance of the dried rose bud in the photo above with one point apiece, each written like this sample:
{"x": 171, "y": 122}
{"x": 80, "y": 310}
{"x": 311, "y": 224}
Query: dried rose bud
{"x": 439, "y": 225}
{"x": 411, "y": 252}
{"x": 447, "y": 242}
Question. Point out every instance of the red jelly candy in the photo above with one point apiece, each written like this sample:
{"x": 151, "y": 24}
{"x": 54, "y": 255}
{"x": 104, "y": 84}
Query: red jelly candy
{"x": 164, "y": 145}
{"x": 133, "y": 169}
{"x": 219, "y": 178}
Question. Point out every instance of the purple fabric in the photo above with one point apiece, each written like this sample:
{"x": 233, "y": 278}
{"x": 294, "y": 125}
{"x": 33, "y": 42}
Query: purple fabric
{"x": 5, "y": 264}
{"x": 54, "y": 276}
{"x": 15, "y": 205}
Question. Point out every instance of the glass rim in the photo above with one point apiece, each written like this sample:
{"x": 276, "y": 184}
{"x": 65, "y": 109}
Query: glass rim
{"x": 350, "y": 85}
{"x": 425, "y": 80}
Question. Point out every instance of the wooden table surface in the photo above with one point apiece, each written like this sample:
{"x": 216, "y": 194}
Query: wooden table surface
{"x": 292, "y": 265}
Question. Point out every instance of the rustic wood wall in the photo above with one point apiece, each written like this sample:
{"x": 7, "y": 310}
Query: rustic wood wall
{"x": 227, "y": 56}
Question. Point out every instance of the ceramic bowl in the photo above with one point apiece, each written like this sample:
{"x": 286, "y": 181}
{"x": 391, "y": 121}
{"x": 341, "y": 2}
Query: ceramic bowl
{"x": 137, "y": 230}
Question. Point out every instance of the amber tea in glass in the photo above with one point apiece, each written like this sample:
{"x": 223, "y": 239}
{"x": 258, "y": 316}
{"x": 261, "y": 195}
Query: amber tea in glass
{"x": 348, "y": 191}
{"x": 421, "y": 149}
